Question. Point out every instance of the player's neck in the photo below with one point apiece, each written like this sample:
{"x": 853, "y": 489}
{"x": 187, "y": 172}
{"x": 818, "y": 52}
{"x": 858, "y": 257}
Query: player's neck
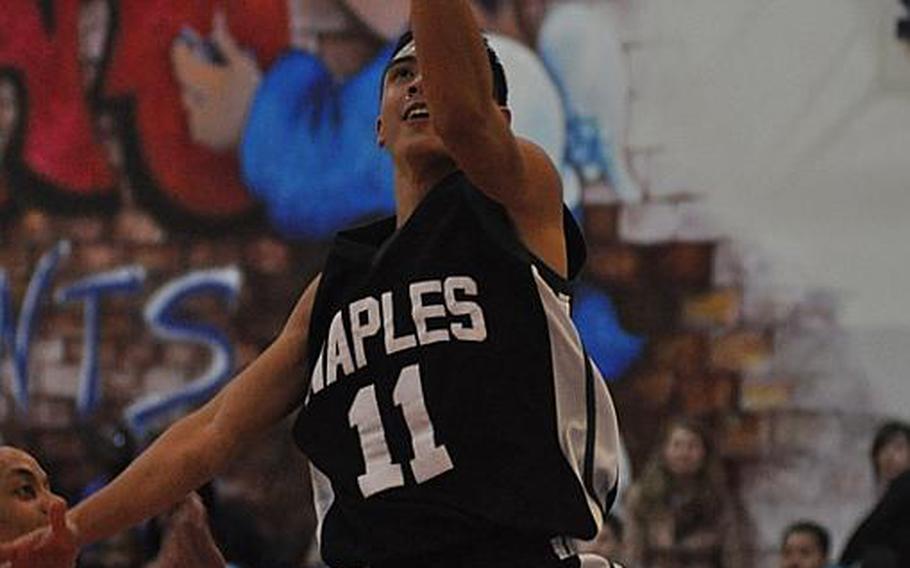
{"x": 413, "y": 184}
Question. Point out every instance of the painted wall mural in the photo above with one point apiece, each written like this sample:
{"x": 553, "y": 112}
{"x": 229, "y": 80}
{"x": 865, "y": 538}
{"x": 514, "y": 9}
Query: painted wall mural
{"x": 161, "y": 314}
{"x": 172, "y": 172}
{"x": 211, "y": 117}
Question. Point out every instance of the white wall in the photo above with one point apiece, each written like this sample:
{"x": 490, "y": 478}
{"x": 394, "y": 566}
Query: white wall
{"x": 792, "y": 120}
{"x": 780, "y": 114}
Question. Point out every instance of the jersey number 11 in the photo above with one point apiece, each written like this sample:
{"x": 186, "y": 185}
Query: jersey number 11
{"x": 429, "y": 459}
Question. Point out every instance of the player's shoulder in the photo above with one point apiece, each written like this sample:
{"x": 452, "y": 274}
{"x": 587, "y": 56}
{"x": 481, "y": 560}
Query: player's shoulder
{"x": 540, "y": 180}
{"x": 536, "y": 161}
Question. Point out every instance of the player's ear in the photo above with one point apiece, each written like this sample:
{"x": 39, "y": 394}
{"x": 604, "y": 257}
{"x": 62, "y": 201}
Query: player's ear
{"x": 506, "y": 112}
{"x": 380, "y": 139}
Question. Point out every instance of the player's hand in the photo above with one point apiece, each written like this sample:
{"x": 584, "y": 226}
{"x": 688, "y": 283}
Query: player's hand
{"x": 216, "y": 94}
{"x": 188, "y": 541}
{"x": 49, "y": 547}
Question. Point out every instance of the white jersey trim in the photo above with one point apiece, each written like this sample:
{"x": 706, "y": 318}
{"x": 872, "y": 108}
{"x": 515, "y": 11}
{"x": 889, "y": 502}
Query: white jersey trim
{"x": 572, "y": 400}
{"x": 323, "y": 497}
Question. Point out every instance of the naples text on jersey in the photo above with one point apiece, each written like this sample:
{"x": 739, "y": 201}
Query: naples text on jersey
{"x": 456, "y": 318}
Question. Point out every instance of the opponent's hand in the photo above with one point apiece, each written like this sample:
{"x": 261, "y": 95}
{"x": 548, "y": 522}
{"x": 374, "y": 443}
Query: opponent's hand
{"x": 54, "y": 546}
{"x": 188, "y": 541}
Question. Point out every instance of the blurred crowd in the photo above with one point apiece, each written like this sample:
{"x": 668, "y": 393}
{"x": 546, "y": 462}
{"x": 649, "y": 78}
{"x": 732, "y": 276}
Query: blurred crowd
{"x": 682, "y": 513}
{"x": 679, "y": 512}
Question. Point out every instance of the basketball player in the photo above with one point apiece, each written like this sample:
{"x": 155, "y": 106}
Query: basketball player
{"x": 446, "y": 404}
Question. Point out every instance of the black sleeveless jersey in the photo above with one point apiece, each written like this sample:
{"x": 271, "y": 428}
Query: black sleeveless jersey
{"x": 450, "y": 396}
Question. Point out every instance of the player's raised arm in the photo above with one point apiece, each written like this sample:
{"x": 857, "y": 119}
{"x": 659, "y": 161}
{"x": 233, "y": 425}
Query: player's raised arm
{"x": 196, "y": 447}
{"x": 459, "y": 90}
{"x": 467, "y": 106}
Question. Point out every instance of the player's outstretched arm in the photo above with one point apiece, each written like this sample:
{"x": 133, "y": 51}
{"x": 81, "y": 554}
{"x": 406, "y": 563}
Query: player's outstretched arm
{"x": 196, "y": 448}
{"x": 191, "y": 451}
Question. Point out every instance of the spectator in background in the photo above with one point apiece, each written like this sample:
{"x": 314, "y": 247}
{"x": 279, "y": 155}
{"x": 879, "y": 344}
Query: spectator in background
{"x": 805, "y": 544}
{"x": 680, "y": 513}
{"x": 882, "y": 539}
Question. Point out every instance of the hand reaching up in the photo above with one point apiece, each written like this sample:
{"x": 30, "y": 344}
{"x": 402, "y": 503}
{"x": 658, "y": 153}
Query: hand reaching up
{"x": 187, "y": 540}
{"x": 54, "y": 546}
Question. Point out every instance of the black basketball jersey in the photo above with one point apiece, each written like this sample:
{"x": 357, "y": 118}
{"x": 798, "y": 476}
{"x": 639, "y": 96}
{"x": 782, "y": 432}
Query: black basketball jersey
{"x": 450, "y": 396}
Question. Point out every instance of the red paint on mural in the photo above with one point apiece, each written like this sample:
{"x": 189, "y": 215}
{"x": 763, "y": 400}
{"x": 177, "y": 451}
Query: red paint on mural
{"x": 59, "y": 146}
{"x": 199, "y": 181}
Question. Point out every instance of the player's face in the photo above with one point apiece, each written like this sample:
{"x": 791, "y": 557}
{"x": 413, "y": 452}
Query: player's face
{"x": 801, "y": 550}
{"x": 404, "y": 122}
{"x": 893, "y": 458}
{"x": 25, "y": 496}
{"x": 684, "y": 452}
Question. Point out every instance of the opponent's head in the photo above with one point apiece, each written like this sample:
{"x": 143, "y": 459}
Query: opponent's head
{"x": 25, "y": 495}
{"x": 402, "y": 106}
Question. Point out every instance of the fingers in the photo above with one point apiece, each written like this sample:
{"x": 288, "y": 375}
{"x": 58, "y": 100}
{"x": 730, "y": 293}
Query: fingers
{"x": 191, "y": 69}
{"x": 14, "y": 550}
{"x": 195, "y": 508}
{"x": 58, "y": 517}
{"x": 222, "y": 37}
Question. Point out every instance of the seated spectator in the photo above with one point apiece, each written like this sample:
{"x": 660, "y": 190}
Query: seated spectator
{"x": 680, "y": 514}
{"x": 882, "y": 539}
{"x": 805, "y": 544}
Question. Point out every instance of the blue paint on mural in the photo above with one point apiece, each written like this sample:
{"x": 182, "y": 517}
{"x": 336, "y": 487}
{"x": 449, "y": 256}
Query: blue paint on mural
{"x": 309, "y": 152}
{"x": 18, "y": 334}
{"x": 162, "y": 314}
{"x": 611, "y": 347}
{"x": 90, "y": 291}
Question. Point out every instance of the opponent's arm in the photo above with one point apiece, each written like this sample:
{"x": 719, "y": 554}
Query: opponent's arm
{"x": 458, "y": 88}
{"x": 195, "y": 448}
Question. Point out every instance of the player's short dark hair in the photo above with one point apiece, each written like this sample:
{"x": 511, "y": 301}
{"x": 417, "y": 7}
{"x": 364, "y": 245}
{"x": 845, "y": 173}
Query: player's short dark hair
{"x": 818, "y": 532}
{"x": 885, "y": 434}
{"x": 500, "y": 85}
